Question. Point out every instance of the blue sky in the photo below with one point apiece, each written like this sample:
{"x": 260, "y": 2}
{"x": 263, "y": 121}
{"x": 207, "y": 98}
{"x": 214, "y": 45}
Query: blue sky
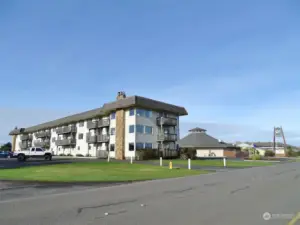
{"x": 233, "y": 64}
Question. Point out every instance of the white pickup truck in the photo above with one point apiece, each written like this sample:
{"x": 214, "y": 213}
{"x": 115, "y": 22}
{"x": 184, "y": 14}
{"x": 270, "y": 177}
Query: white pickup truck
{"x": 32, "y": 153}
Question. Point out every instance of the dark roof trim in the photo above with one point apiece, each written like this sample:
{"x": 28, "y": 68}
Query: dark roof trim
{"x": 136, "y": 101}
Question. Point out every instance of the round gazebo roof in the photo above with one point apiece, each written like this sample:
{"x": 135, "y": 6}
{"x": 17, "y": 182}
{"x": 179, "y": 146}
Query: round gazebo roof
{"x": 197, "y": 129}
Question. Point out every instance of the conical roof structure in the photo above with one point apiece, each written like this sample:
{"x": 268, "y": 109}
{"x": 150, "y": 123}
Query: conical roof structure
{"x": 197, "y": 138}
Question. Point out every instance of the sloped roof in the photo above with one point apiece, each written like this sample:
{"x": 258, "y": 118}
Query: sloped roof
{"x": 131, "y": 101}
{"x": 201, "y": 140}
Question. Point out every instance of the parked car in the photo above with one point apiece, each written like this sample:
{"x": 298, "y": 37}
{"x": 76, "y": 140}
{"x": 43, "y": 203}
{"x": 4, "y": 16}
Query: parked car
{"x": 6, "y": 154}
{"x": 32, "y": 153}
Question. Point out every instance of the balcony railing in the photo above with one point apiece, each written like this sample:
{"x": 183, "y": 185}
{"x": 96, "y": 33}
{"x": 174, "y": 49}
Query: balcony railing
{"x": 42, "y": 144}
{"x": 43, "y": 134}
{"x": 166, "y": 121}
{"x": 96, "y": 124}
{"x": 167, "y": 137}
{"x": 92, "y": 125}
{"x": 103, "y": 123}
{"x": 91, "y": 139}
{"x": 25, "y": 137}
{"x": 64, "y": 142}
{"x": 24, "y": 145}
{"x": 103, "y": 138}
{"x": 97, "y": 138}
{"x": 65, "y": 130}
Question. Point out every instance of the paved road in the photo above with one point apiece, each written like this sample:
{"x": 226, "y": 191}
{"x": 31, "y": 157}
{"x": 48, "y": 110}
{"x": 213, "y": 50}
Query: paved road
{"x": 226, "y": 198}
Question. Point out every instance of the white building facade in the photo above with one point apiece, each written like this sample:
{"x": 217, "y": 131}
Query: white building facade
{"x": 118, "y": 128}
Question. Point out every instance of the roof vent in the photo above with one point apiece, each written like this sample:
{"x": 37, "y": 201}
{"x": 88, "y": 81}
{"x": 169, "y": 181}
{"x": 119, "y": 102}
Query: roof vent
{"x": 197, "y": 130}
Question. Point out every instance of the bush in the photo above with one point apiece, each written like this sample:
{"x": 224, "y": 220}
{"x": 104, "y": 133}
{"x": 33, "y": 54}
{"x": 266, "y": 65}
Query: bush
{"x": 188, "y": 153}
{"x": 69, "y": 154}
{"x": 146, "y": 154}
{"x": 255, "y": 157}
{"x": 269, "y": 153}
{"x": 79, "y": 155}
{"x": 88, "y": 155}
{"x": 62, "y": 154}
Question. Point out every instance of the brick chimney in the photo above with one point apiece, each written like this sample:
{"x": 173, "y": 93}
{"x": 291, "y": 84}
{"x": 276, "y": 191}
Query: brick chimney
{"x": 121, "y": 95}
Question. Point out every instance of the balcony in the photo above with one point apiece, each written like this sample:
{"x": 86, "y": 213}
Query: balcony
{"x": 102, "y": 138}
{"x": 166, "y": 121}
{"x": 97, "y": 138}
{"x": 167, "y": 137}
{"x": 91, "y": 139}
{"x": 104, "y": 123}
{"x": 25, "y": 137}
{"x": 24, "y": 145}
{"x": 43, "y": 134}
{"x": 65, "y": 130}
{"x": 92, "y": 125}
{"x": 64, "y": 142}
{"x": 98, "y": 124}
{"x": 42, "y": 144}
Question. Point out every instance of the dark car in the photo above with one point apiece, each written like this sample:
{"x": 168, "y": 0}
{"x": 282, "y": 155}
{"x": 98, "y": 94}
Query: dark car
{"x": 6, "y": 154}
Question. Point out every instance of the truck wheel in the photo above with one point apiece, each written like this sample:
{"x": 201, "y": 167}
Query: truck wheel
{"x": 48, "y": 157}
{"x": 21, "y": 158}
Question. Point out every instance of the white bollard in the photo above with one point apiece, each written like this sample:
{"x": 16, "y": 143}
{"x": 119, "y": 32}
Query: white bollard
{"x": 160, "y": 161}
{"x": 189, "y": 164}
{"x": 224, "y": 161}
{"x": 131, "y": 159}
{"x": 108, "y": 158}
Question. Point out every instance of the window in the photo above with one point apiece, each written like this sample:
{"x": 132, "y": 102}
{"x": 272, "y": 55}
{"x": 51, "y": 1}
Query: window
{"x": 139, "y": 128}
{"x": 131, "y": 146}
{"x": 113, "y": 115}
{"x": 148, "y": 145}
{"x": 112, "y": 147}
{"x": 139, "y": 145}
{"x": 78, "y": 148}
{"x": 81, "y": 123}
{"x": 32, "y": 149}
{"x": 148, "y": 114}
{"x": 80, "y": 136}
{"x": 53, "y": 139}
{"x": 112, "y": 131}
{"x": 131, "y": 129}
{"x": 140, "y": 112}
{"x": 148, "y": 130}
{"x": 39, "y": 150}
{"x": 89, "y": 147}
{"x": 131, "y": 112}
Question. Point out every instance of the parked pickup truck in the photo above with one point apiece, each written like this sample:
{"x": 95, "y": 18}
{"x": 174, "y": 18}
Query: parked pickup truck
{"x": 32, "y": 153}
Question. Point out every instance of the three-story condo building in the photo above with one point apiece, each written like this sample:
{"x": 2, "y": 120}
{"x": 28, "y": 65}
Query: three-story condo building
{"x": 117, "y": 128}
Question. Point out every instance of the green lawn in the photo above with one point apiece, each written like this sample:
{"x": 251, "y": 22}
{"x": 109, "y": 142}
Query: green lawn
{"x": 94, "y": 171}
{"x": 218, "y": 163}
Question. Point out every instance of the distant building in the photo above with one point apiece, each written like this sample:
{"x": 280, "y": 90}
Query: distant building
{"x": 262, "y": 147}
{"x": 208, "y": 146}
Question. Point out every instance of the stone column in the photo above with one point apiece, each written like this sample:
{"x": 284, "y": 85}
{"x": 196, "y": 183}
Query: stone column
{"x": 13, "y": 143}
{"x": 120, "y": 134}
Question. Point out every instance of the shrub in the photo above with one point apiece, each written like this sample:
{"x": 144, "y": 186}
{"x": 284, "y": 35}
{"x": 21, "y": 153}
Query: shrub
{"x": 88, "y": 155}
{"x": 255, "y": 157}
{"x": 188, "y": 153}
{"x": 269, "y": 153}
{"x": 79, "y": 155}
{"x": 146, "y": 154}
{"x": 62, "y": 154}
{"x": 69, "y": 154}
